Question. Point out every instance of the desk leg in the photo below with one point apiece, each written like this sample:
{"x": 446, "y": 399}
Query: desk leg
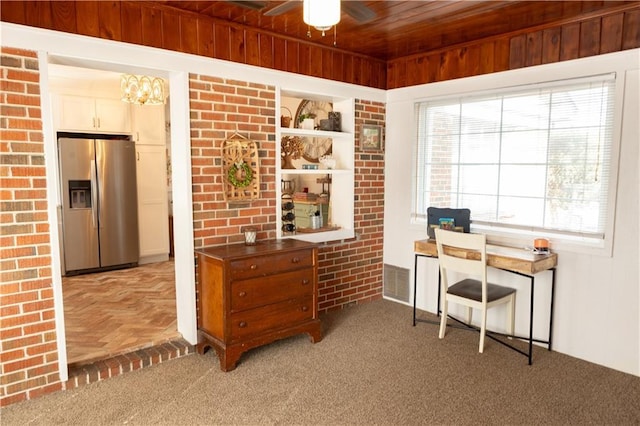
{"x": 553, "y": 294}
{"x": 531, "y": 321}
{"x": 415, "y": 286}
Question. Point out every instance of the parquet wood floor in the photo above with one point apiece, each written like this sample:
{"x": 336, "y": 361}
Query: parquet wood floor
{"x": 111, "y": 313}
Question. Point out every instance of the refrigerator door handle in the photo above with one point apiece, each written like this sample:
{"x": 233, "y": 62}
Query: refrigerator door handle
{"x": 94, "y": 191}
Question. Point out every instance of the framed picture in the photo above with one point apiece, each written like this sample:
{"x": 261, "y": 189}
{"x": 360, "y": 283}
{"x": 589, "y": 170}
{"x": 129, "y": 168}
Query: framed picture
{"x": 371, "y": 137}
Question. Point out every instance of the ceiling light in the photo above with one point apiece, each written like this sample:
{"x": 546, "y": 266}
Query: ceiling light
{"x": 142, "y": 89}
{"x": 321, "y": 14}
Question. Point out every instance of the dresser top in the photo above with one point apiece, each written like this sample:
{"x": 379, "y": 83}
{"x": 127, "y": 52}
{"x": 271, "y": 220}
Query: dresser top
{"x": 260, "y": 248}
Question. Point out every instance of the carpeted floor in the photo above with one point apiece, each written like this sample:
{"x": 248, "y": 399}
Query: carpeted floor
{"x": 372, "y": 367}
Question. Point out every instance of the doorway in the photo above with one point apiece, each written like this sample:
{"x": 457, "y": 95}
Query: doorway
{"x": 114, "y": 312}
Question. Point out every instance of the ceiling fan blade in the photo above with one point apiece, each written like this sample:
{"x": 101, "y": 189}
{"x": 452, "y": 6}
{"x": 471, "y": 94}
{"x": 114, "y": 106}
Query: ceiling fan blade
{"x": 282, "y": 8}
{"x": 358, "y": 11}
{"x": 253, "y": 5}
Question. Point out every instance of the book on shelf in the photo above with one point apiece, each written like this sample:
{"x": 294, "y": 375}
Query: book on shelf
{"x": 304, "y": 196}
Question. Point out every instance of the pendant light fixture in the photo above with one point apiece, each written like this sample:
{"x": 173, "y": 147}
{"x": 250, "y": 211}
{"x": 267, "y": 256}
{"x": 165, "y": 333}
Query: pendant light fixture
{"x": 142, "y": 89}
{"x": 321, "y": 14}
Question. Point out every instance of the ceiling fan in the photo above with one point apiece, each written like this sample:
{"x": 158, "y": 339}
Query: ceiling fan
{"x": 356, "y": 9}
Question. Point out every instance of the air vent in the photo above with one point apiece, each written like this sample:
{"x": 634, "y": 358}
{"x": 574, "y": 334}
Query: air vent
{"x": 396, "y": 283}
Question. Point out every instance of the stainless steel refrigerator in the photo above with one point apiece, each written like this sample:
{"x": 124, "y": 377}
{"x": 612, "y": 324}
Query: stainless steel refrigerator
{"x": 99, "y": 203}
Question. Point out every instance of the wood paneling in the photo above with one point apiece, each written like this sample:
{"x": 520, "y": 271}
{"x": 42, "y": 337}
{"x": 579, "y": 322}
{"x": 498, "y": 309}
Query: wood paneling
{"x": 631, "y": 29}
{"x": 551, "y": 45}
{"x": 570, "y": 40}
{"x": 109, "y": 20}
{"x": 63, "y": 16}
{"x": 456, "y": 39}
{"x": 87, "y": 18}
{"x": 151, "y": 27}
{"x": 171, "y": 28}
{"x": 206, "y": 40}
{"x": 189, "y": 34}
{"x": 131, "y": 18}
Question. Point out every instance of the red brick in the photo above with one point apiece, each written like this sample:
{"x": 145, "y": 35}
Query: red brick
{"x": 20, "y": 320}
{"x": 23, "y": 364}
{"x": 40, "y": 327}
{"x": 54, "y": 387}
{"x": 12, "y": 399}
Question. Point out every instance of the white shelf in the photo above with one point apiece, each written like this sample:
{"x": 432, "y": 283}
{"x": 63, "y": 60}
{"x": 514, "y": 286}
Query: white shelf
{"x": 319, "y": 237}
{"x": 314, "y": 133}
{"x": 341, "y": 204}
{"x": 315, "y": 172}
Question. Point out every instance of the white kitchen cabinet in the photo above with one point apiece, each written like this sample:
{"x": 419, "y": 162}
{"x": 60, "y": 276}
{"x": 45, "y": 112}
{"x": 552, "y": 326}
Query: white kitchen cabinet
{"x": 88, "y": 114}
{"x": 340, "y": 208}
{"x": 153, "y": 210}
{"x": 148, "y": 124}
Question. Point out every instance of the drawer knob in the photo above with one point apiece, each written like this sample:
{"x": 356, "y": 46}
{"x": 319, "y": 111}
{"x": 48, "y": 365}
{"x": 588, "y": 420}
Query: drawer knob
{"x": 295, "y": 260}
{"x": 305, "y": 281}
{"x": 254, "y": 267}
{"x": 242, "y": 294}
{"x": 242, "y": 324}
{"x": 305, "y": 308}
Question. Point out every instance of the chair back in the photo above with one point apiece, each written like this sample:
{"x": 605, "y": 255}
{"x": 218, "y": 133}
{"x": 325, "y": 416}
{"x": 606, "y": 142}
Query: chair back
{"x": 463, "y": 253}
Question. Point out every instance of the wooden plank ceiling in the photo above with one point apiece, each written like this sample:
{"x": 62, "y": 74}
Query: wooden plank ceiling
{"x": 402, "y": 28}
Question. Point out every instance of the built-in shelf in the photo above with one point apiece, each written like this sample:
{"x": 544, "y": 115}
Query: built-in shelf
{"x": 341, "y": 189}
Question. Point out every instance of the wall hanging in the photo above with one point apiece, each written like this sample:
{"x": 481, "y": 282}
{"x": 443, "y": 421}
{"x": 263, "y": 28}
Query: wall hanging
{"x": 241, "y": 169}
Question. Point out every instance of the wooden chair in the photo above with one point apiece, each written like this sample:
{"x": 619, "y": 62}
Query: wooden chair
{"x": 467, "y": 254}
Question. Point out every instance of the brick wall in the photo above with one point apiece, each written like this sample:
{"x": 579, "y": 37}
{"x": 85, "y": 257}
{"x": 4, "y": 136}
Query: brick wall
{"x": 351, "y": 272}
{"x": 28, "y": 351}
{"x": 219, "y": 109}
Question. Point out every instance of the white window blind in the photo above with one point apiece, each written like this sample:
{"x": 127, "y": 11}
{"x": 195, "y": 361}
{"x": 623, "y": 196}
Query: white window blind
{"x": 536, "y": 158}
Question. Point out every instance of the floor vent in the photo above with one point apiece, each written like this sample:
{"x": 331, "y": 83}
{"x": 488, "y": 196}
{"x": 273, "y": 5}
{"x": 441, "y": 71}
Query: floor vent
{"x": 396, "y": 283}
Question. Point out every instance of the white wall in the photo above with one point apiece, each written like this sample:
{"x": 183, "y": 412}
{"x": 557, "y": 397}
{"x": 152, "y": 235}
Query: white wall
{"x": 597, "y": 303}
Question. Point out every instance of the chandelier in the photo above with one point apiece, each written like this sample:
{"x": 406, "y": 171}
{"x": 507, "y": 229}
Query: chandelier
{"x": 321, "y": 14}
{"x": 142, "y": 89}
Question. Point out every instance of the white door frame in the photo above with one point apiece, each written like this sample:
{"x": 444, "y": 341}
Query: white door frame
{"x": 182, "y": 204}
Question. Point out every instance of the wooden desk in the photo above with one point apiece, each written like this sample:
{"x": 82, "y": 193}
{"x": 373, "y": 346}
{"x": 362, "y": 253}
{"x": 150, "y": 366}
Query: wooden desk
{"x": 518, "y": 261}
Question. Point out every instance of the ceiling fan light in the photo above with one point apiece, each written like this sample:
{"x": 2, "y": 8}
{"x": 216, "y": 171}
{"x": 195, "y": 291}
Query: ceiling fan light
{"x": 321, "y": 14}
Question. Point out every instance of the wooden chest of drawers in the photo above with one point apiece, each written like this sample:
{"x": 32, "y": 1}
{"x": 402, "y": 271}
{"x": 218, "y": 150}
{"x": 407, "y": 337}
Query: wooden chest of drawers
{"x": 250, "y": 296}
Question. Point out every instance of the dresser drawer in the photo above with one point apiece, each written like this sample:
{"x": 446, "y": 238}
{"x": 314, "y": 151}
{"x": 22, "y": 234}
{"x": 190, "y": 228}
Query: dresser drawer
{"x": 253, "y": 292}
{"x": 266, "y": 265}
{"x": 280, "y": 315}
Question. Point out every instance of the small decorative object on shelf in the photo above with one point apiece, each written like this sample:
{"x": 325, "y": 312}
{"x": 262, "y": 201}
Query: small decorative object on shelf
{"x": 288, "y": 187}
{"x": 314, "y": 109}
{"x": 291, "y": 148}
{"x": 328, "y": 161}
{"x": 307, "y": 121}
{"x": 336, "y": 121}
{"x": 288, "y": 215}
{"x": 309, "y": 167}
{"x": 285, "y": 121}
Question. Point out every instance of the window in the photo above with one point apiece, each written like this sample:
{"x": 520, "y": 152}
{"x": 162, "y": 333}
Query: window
{"x": 529, "y": 158}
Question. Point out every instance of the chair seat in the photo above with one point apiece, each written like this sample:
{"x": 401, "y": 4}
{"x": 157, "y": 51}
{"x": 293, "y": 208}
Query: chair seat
{"x": 472, "y": 289}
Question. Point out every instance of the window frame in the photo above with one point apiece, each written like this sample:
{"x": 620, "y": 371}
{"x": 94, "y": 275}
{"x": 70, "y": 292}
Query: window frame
{"x": 522, "y": 236}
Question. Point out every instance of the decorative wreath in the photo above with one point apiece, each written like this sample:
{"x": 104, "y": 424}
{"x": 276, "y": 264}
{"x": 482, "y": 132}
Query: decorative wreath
{"x": 233, "y": 175}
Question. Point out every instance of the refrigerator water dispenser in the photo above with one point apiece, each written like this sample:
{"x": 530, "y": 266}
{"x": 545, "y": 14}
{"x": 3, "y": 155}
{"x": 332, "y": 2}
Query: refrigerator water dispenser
{"x": 80, "y": 194}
